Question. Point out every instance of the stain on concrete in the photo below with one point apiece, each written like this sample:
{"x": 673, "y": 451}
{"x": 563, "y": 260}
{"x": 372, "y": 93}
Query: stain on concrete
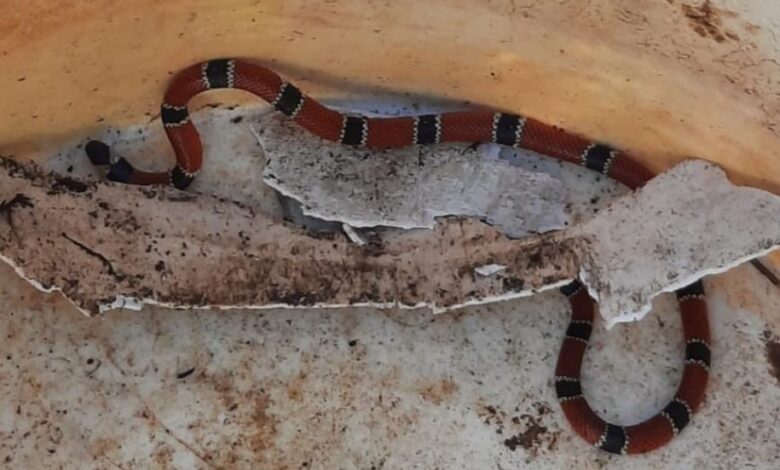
{"x": 772, "y": 344}
{"x": 526, "y": 431}
{"x": 357, "y": 406}
{"x": 531, "y": 438}
{"x": 439, "y": 391}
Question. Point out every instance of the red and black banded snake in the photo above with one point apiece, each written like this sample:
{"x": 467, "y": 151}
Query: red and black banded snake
{"x": 465, "y": 126}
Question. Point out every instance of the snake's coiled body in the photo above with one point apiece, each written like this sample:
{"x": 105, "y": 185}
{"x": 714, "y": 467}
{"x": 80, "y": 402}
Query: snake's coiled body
{"x": 466, "y": 126}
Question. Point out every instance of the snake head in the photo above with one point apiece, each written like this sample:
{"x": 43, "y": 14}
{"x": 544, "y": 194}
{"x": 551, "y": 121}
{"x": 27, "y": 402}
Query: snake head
{"x": 98, "y": 152}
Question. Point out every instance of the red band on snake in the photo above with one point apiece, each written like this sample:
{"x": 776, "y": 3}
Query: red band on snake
{"x": 467, "y": 126}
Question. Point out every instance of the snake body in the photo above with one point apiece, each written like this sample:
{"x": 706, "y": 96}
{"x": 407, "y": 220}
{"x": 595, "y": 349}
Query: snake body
{"x": 465, "y": 126}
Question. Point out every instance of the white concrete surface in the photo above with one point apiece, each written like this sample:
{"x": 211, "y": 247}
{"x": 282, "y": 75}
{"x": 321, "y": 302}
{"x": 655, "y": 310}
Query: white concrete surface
{"x": 363, "y": 388}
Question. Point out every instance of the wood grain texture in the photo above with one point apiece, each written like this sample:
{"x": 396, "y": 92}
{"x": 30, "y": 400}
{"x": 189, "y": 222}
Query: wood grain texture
{"x": 655, "y": 79}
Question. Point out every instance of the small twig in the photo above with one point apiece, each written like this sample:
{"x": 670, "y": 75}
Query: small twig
{"x": 186, "y": 373}
{"x": 152, "y": 416}
{"x": 97, "y": 255}
{"x": 766, "y": 272}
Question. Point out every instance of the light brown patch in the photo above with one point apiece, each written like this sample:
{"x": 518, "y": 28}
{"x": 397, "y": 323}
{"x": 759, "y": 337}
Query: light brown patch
{"x": 264, "y": 433}
{"x": 163, "y": 457}
{"x": 296, "y": 387}
{"x": 102, "y": 448}
{"x": 774, "y": 259}
{"x": 740, "y": 291}
{"x": 222, "y": 384}
{"x": 439, "y": 391}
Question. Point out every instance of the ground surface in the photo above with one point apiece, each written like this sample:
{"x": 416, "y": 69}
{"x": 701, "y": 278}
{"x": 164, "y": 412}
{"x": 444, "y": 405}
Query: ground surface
{"x": 364, "y": 388}
{"x": 360, "y": 388}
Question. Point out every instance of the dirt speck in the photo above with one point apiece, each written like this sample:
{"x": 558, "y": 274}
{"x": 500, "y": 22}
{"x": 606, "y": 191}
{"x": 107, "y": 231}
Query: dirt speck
{"x": 529, "y": 439}
{"x": 526, "y": 431}
{"x": 186, "y": 373}
{"x": 707, "y": 21}
{"x": 773, "y": 354}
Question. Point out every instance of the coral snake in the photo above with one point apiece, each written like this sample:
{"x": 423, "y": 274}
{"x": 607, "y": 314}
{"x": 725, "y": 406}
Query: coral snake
{"x": 466, "y": 126}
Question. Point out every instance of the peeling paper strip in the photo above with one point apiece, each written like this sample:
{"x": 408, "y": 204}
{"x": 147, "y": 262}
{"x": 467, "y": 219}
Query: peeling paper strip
{"x": 104, "y": 245}
{"x": 489, "y": 269}
{"x": 352, "y": 234}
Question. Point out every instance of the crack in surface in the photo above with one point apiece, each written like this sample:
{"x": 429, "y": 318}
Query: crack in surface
{"x": 766, "y": 272}
{"x": 155, "y": 420}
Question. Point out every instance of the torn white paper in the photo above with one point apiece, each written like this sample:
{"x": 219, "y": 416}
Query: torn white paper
{"x": 489, "y": 269}
{"x": 686, "y": 223}
{"x": 407, "y": 187}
